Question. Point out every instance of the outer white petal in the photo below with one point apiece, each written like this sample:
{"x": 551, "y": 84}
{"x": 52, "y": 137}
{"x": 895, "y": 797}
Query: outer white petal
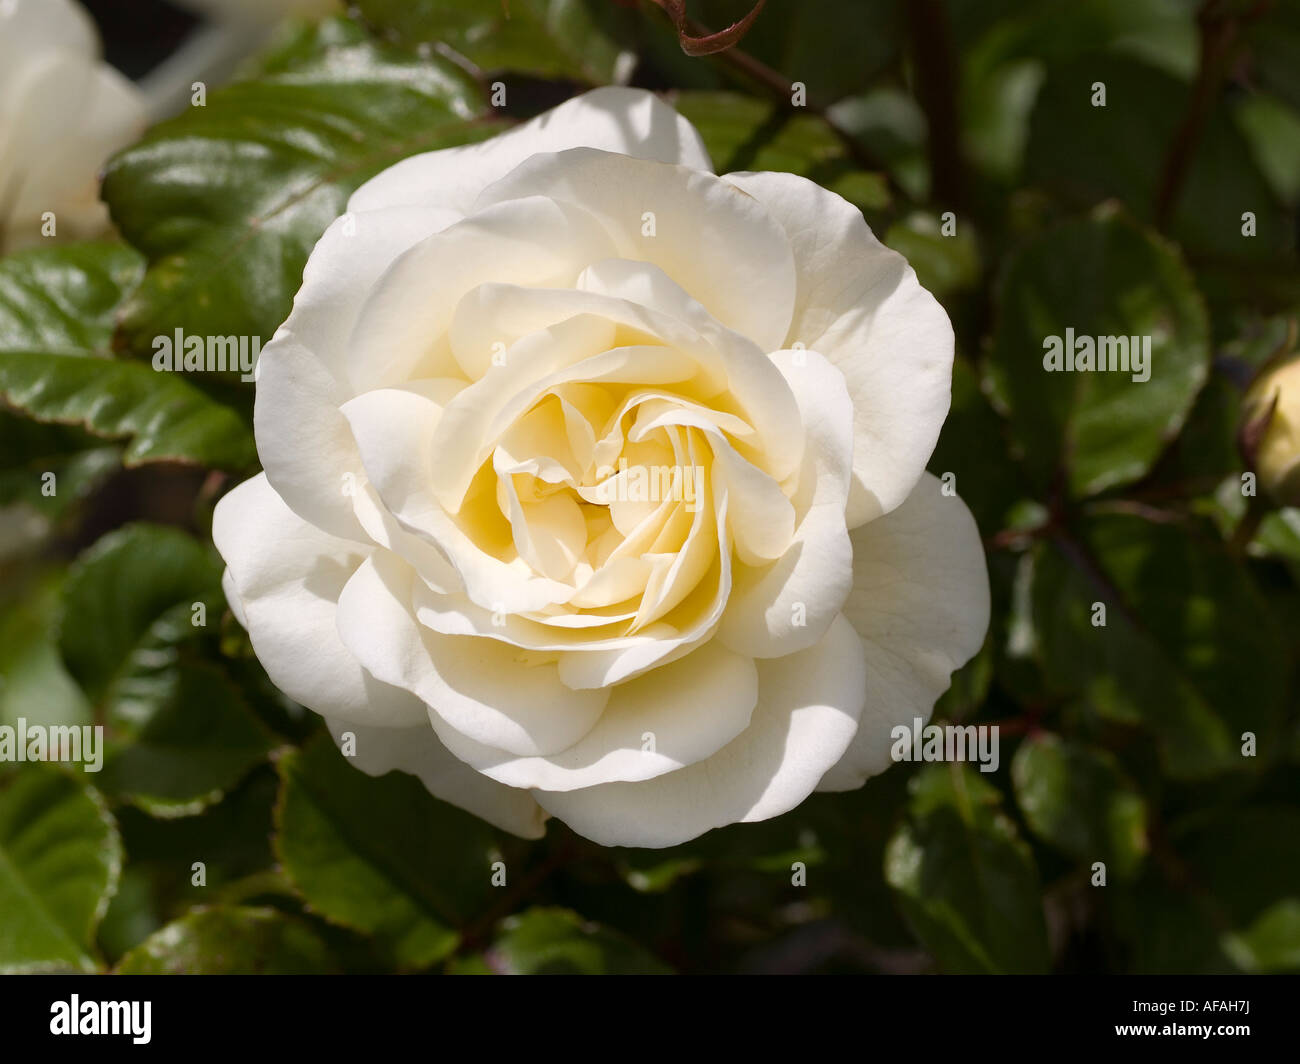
{"x": 302, "y": 438}
{"x": 920, "y": 602}
{"x": 860, "y": 305}
{"x": 807, "y": 712}
{"x": 232, "y": 597}
{"x": 287, "y": 576}
{"x": 349, "y": 258}
{"x": 672, "y": 716}
{"x": 627, "y": 121}
{"x": 418, "y": 752}
{"x": 719, "y": 244}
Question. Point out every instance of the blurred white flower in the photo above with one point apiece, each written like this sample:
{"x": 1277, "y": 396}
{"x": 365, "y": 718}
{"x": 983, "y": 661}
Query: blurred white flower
{"x": 63, "y": 112}
{"x": 232, "y": 32}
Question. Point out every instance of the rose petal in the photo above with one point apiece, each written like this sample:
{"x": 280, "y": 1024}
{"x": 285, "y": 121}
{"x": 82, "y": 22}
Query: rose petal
{"x": 860, "y": 305}
{"x": 807, "y": 713}
{"x": 920, "y": 602}
{"x": 750, "y": 378}
{"x": 716, "y": 242}
{"x": 418, "y": 752}
{"x": 478, "y": 687}
{"x": 287, "y": 576}
{"x": 674, "y": 716}
{"x": 628, "y": 121}
{"x": 304, "y": 442}
{"x": 394, "y": 429}
{"x": 786, "y": 606}
{"x": 761, "y": 518}
{"x": 402, "y": 329}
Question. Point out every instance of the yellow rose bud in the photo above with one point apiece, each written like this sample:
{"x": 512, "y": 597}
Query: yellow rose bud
{"x": 1272, "y": 419}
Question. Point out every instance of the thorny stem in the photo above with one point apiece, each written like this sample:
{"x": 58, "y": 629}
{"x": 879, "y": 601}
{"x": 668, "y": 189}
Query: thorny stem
{"x": 696, "y": 42}
{"x": 781, "y": 88}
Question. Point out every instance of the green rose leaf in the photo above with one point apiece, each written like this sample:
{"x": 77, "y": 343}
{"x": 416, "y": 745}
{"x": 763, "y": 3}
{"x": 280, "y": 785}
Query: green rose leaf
{"x": 965, "y": 879}
{"x": 227, "y": 200}
{"x": 230, "y": 839}
{"x": 1163, "y": 33}
{"x": 1279, "y": 537}
{"x": 34, "y": 683}
{"x": 1186, "y": 646}
{"x": 580, "y": 39}
{"x": 1078, "y": 799}
{"x": 889, "y": 125}
{"x": 127, "y": 602}
{"x": 182, "y": 732}
{"x": 546, "y": 941}
{"x": 1104, "y": 279}
{"x": 381, "y": 855}
{"x": 29, "y": 450}
{"x": 60, "y": 858}
{"x": 944, "y": 262}
{"x": 231, "y": 941}
{"x": 58, "y": 309}
{"x": 197, "y": 745}
{"x": 1272, "y": 129}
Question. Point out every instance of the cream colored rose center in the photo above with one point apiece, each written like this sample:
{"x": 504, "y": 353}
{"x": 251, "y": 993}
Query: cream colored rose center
{"x": 610, "y": 490}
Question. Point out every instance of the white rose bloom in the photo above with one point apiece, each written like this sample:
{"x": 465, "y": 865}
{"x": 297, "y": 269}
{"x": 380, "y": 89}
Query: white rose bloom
{"x": 62, "y": 114}
{"x": 465, "y": 549}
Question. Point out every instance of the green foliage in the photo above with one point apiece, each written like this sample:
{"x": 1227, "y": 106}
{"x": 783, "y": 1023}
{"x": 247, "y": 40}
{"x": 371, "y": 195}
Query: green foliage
{"x": 60, "y": 858}
{"x": 1188, "y": 649}
{"x": 380, "y": 855}
{"x": 34, "y": 682}
{"x": 227, "y": 200}
{"x": 965, "y": 878}
{"x": 58, "y": 308}
{"x": 231, "y": 941}
{"x": 1099, "y": 277}
{"x": 579, "y": 39}
{"x": 1140, "y": 663}
{"x": 200, "y": 741}
{"x": 120, "y": 603}
{"x": 128, "y": 634}
{"x": 558, "y": 942}
{"x": 1078, "y": 799}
